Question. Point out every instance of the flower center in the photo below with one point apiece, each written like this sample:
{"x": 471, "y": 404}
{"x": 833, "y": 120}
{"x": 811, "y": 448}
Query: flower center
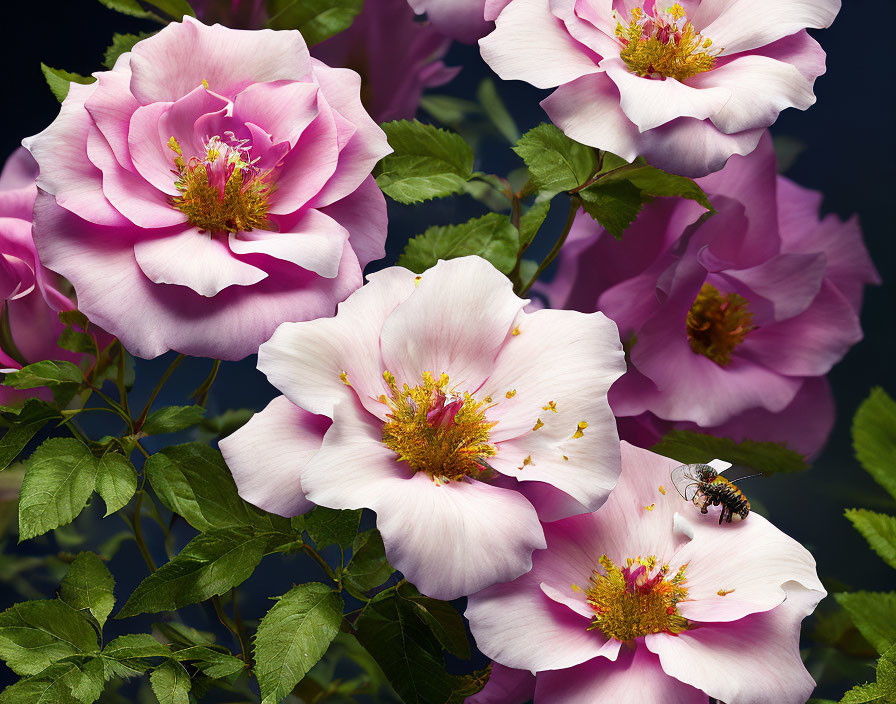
{"x": 223, "y": 190}
{"x": 664, "y": 45}
{"x": 718, "y": 323}
{"x": 436, "y": 430}
{"x": 637, "y": 599}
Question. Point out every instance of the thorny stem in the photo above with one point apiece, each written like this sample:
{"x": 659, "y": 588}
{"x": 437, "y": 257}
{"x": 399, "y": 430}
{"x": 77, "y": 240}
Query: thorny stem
{"x": 155, "y": 392}
{"x": 574, "y": 205}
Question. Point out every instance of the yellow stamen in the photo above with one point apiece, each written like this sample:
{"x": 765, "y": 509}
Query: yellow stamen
{"x": 717, "y": 324}
{"x": 511, "y": 393}
{"x": 447, "y": 448}
{"x": 550, "y": 407}
{"x": 344, "y": 377}
{"x": 579, "y": 429}
{"x": 516, "y": 331}
{"x": 538, "y": 424}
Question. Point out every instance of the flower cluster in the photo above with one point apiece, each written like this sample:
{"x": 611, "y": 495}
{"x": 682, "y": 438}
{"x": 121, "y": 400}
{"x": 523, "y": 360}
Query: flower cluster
{"x": 685, "y": 85}
{"x": 746, "y": 312}
{"x": 219, "y": 192}
{"x": 212, "y": 185}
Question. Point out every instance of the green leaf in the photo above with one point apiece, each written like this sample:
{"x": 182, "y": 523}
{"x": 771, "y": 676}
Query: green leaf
{"x": 36, "y": 634}
{"x": 427, "y": 162}
{"x": 74, "y": 318}
{"x": 228, "y": 422}
{"x": 59, "y": 80}
{"x": 654, "y": 182}
{"x": 182, "y": 635}
{"x": 886, "y": 673}
{"x": 69, "y": 682}
{"x": 874, "y": 614}
{"x": 30, "y": 418}
{"x": 171, "y": 683}
{"x": 212, "y": 662}
{"x": 445, "y": 622}
{"x": 531, "y": 222}
{"x": 863, "y": 694}
{"x": 293, "y": 636}
{"x": 171, "y": 419}
{"x": 137, "y": 645}
{"x": 59, "y": 480}
{"x": 121, "y": 44}
{"x": 492, "y": 237}
{"x": 328, "y": 526}
{"x": 405, "y": 647}
{"x": 88, "y": 585}
{"x": 116, "y": 481}
{"x": 129, "y": 7}
{"x": 47, "y": 373}
{"x": 315, "y": 19}
{"x": 211, "y": 564}
{"x": 879, "y": 530}
{"x": 176, "y": 9}
{"x": 556, "y": 162}
{"x": 368, "y": 567}
{"x": 614, "y": 204}
{"x": 487, "y": 94}
{"x": 76, "y": 341}
{"x": 693, "y": 448}
{"x": 874, "y": 438}
{"x": 193, "y": 481}
{"x": 448, "y": 109}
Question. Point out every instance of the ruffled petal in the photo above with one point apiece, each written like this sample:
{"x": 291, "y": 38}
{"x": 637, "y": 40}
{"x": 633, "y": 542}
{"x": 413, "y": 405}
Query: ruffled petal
{"x": 267, "y": 454}
{"x": 455, "y": 322}
{"x": 525, "y": 33}
{"x": 711, "y": 657}
{"x": 194, "y": 259}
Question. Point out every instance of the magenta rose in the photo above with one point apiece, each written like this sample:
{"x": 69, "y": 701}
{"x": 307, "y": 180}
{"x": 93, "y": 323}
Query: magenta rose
{"x": 396, "y": 56}
{"x": 32, "y": 295}
{"x": 213, "y": 185}
{"x": 684, "y": 84}
{"x": 730, "y": 324}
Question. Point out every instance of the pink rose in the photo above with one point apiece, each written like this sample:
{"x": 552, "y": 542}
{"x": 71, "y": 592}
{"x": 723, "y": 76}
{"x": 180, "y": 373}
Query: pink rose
{"x": 31, "y": 294}
{"x": 647, "y": 600}
{"x": 728, "y": 323}
{"x": 396, "y": 56}
{"x": 463, "y": 20}
{"x": 685, "y": 85}
{"x": 213, "y": 185}
{"x": 436, "y": 401}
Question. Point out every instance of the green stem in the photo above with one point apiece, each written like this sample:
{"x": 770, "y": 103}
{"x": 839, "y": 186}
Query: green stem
{"x": 574, "y": 205}
{"x": 114, "y": 405}
{"x": 119, "y": 380}
{"x": 155, "y": 392}
{"x": 138, "y": 534}
{"x": 6, "y": 341}
{"x": 201, "y": 393}
{"x": 594, "y": 179}
{"x": 308, "y": 550}
{"x": 241, "y": 633}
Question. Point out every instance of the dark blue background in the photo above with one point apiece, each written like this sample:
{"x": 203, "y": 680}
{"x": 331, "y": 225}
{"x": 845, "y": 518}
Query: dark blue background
{"x": 850, "y": 156}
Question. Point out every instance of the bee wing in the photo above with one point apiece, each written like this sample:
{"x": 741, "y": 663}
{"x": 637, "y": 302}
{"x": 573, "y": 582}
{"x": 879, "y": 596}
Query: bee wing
{"x": 720, "y": 466}
{"x": 685, "y": 479}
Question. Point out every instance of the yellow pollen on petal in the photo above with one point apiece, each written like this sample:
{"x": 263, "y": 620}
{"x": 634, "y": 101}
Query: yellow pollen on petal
{"x": 717, "y": 323}
{"x": 516, "y": 331}
{"x": 724, "y": 592}
{"x": 205, "y": 84}
{"x": 344, "y": 377}
{"x": 550, "y": 407}
{"x": 580, "y": 428}
{"x": 665, "y": 45}
{"x": 417, "y": 280}
{"x": 538, "y": 424}
{"x": 564, "y": 457}
{"x": 650, "y": 508}
{"x": 636, "y": 600}
{"x": 662, "y": 490}
{"x": 435, "y": 430}
{"x": 511, "y": 393}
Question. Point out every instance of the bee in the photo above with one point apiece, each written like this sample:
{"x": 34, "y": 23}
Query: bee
{"x": 704, "y": 486}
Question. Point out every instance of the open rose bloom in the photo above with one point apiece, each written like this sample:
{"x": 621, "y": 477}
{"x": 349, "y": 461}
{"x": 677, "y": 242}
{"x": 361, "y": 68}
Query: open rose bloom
{"x": 436, "y": 401}
{"x": 647, "y": 600}
{"x": 32, "y": 296}
{"x": 730, "y": 325}
{"x": 213, "y": 185}
{"x": 684, "y": 84}
{"x": 463, "y": 20}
